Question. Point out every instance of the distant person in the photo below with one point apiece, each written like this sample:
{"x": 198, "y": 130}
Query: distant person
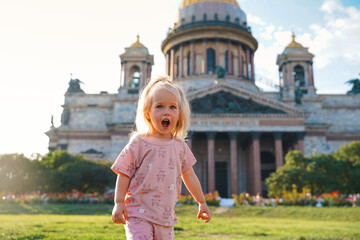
{"x": 151, "y": 165}
{"x": 259, "y": 200}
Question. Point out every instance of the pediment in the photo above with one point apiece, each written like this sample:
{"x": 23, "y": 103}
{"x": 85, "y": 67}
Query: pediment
{"x": 227, "y": 99}
{"x": 223, "y": 102}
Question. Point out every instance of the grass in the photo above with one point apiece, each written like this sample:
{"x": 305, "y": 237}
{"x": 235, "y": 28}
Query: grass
{"x": 66, "y": 221}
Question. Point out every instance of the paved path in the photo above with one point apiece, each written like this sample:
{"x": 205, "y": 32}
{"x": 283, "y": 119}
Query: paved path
{"x": 221, "y": 210}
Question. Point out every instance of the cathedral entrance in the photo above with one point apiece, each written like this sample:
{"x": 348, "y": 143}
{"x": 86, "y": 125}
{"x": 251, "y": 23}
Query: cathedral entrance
{"x": 221, "y": 178}
{"x": 268, "y": 166}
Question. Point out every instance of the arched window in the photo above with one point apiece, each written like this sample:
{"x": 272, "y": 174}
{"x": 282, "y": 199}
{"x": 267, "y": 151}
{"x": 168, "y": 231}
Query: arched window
{"x": 135, "y": 77}
{"x": 281, "y": 77}
{"x": 299, "y": 75}
{"x": 210, "y": 60}
{"x": 189, "y": 64}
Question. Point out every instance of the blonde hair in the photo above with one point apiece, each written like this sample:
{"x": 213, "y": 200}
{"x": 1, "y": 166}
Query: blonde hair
{"x": 143, "y": 123}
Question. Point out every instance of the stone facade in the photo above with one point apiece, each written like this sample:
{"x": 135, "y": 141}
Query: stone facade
{"x": 238, "y": 134}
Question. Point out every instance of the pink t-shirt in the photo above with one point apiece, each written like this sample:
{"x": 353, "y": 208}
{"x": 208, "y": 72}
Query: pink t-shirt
{"x": 154, "y": 168}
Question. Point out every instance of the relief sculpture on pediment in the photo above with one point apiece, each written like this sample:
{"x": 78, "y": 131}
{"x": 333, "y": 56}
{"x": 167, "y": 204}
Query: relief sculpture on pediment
{"x": 223, "y": 102}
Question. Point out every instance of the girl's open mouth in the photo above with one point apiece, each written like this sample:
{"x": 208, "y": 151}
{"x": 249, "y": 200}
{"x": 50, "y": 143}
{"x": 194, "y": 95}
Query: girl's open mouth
{"x": 165, "y": 123}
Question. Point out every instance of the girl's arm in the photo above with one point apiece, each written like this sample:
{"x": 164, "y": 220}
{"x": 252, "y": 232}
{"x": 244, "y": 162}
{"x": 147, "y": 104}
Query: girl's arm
{"x": 119, "y": 213}
{"x": 193, "y": 185}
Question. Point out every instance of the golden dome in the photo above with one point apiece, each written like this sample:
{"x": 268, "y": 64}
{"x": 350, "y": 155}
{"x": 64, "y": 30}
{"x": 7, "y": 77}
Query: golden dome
{"x": 293, "y": 43}
{"x": 137, "y": 43}
{"x": 189, "y": 2}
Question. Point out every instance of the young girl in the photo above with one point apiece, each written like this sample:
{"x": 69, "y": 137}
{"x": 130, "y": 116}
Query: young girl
{"x": 152, "y": 164}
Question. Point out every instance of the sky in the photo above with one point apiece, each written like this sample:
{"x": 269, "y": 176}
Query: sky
{"x": 43, "y": 42}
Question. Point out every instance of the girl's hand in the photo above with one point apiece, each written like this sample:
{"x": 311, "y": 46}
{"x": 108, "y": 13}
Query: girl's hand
{"x": 119, "y": 213}
{"x": 204, "y": 212}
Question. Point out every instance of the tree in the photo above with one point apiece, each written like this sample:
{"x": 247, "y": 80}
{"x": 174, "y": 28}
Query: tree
{"x": 320, "y": 173}
{"x": 349, "y": 157}
{"x": 66, "y": 172}
{"x": 323, "y": 174}
{"x": 17, "y": 174}
{"x": 293, "y": 172}
{"x": 57, "y": 171}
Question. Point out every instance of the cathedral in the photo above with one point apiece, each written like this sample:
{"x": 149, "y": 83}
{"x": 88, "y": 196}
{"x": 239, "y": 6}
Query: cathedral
{"x": 238, "y": 134}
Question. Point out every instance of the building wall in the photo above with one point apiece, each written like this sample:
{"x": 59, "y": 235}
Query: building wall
{"x": 82, "y": 145}
{"x": 89, "y": 118}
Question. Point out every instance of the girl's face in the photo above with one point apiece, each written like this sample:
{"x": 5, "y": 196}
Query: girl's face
{"x": 164, "y": 113}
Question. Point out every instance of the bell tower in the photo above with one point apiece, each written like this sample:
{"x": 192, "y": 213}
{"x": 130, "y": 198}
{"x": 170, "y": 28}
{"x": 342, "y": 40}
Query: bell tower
{"x": 136, "y": 64}
{"x": 296, "y": 71}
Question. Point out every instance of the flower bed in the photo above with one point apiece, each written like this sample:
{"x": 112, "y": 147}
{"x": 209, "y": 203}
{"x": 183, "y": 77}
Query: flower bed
{"x": 290, "y": 198}
{"x": 212, "y": 199}
{"x": 304, "y": 198}
{"x": 80, "y": 197}
{"x": 71, "y": 197}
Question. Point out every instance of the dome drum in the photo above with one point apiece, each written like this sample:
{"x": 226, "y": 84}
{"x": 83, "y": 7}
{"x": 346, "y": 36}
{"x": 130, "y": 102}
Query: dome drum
{"x": 209, "y": 35}
{"x": 203, "y": 13}
{"x": 209, "y": 32}
{"x": 202, "y": 56}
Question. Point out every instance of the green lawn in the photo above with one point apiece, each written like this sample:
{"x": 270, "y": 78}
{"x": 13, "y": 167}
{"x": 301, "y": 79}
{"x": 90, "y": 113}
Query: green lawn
{"x": 66, "y": 221}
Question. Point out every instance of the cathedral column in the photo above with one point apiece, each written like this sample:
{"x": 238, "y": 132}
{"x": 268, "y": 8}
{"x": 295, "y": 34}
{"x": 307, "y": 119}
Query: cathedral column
{"x": 143, "y": 74}
{"x": 148, "y": 72}
{"x": 192, "y": 58}
{"x": 172, "y": 57}
{"x": 284, "y": 75}
{"x": 167, "y": 62}
{"x": 300, "y": 142}
{"x": 126, "y": 84}
{"x": 256, "y": 163}
{"x": 233, "y": 163}
{"x": 252, "y": 67}
{"x": 240, "y": 61}
{"x": 204, "y": 60}
{"x": 229, "y": 56}
{"x": 247, "y": 62}
{"x": 290, "y": 72}
{"x": 310, "y": 74}
{"x": 211, "y": 162}
{"x": 278, "y": 149}
{"x": 181, "y": 64}
{"x": 217, "y": 53}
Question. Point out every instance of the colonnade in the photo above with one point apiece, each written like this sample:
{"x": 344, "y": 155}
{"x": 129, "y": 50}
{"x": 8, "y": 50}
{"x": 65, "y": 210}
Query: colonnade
{"x": 287, "y": 70}
{"x": 143, "y": 68}
{"x": 253, "y": 159}
{"x": 244, "y": 70}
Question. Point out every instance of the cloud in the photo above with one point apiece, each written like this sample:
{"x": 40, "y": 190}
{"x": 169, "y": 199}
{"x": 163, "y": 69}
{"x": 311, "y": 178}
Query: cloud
{"x": 334, "y": 39}
{"x": 266, "y": 54}
{"x": 338, "y": 38}
{"x": 268, "y": 32}
{"x": 330, "y": 6}
{"x": 254, "y": 19}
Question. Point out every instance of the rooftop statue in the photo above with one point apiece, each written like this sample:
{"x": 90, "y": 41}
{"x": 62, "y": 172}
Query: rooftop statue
{"x": 220, "y": 72}
{"x": 74, "y": 86}
{"x": 298, "y": 93}
{"x": 355, "y": 86}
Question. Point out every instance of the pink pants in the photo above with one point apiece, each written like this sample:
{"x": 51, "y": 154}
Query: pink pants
{"x": 140, "y": 229}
